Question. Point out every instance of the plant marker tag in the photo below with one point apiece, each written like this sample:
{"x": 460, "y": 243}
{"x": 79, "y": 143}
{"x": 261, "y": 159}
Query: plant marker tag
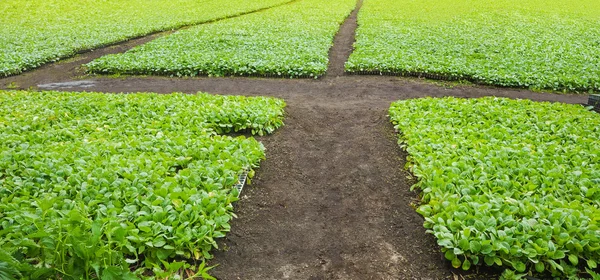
{"x": 241, "y": 182}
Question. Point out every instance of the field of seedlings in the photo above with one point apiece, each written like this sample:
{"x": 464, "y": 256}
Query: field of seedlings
{"x": 533, "y": 44}
{"x": 118, "y": 185}
{"x": 289, "y": 41}
{"x": 44, "y": 31}
{"x": 511, "y": 183}
{"x": 126, "y": 160}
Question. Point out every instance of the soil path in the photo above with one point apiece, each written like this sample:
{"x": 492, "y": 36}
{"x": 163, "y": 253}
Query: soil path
{"x": 332, "y": 199}
{"x": 343, "y": 43}
{"x": 331, "y": 202}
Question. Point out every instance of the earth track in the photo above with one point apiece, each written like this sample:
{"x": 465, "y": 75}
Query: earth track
{"x": 343, "y": 44}
{"x": 334, "y": 205}
{"x": 330, "y": 202}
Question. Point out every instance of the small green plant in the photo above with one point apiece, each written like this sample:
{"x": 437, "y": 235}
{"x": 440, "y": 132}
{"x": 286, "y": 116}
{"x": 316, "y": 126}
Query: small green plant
{"x": 511, "y": 275}
{"x": 12, "y": 85}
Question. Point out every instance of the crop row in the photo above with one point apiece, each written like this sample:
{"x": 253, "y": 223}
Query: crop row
{"x": 38, "y": 31}
{"x": 96, "y": 186}
{"x": 532, "y": 43}
{"x": 509, "y": 183}
{"x": 288, "y": 41}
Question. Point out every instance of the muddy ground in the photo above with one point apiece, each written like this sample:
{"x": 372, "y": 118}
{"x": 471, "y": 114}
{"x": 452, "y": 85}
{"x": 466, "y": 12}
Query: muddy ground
{"x": 332, "y": 200}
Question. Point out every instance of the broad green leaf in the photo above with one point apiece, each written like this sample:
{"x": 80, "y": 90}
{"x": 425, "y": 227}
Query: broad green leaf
{"x": 466, "y": 265}
{"x": 456, "y": 262}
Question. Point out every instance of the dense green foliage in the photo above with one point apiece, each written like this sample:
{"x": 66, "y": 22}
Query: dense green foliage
{"x": 512, "y": 183}
{"x": 519, "y": 43}
{"x": 38, "y": 31}
{"x": 93, "y": 185}
{"x": 288, "y": 41}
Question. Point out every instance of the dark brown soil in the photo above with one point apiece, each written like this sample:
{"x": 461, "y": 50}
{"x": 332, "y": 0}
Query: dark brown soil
{"x": 330, "y": 202}
{"x": 332, "y": 199}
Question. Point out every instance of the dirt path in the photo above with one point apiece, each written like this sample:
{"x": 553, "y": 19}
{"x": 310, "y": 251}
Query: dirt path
{"x": 332, "y": 200}
{"x": 343, "y": 43}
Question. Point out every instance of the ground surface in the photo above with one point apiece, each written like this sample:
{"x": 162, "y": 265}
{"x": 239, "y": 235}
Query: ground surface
{"x": 332, "y": 200}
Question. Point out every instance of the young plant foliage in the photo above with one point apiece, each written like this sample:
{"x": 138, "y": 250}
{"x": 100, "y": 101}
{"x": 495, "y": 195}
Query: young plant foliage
{"x": 114, "y": 186}
{"x": 515, "y": 43}
{"x": 511, "y": 183}
{"x": 35, "y": 32}
{"x": 292, "y": 40}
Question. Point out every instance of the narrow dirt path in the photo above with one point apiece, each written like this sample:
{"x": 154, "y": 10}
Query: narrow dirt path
{"x": 343, "y": 44}
{"x": 70, "y": 68}
{"x": 331, "y": 202}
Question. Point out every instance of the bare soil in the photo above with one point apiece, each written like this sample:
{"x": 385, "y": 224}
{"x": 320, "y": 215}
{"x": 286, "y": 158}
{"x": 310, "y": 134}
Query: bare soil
{"x": 332, "y": 200}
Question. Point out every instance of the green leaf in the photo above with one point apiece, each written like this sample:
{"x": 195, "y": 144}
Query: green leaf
{"x": 475, "y": 246}
{"x": 163, "y": 254}
{"x": 466, "y": 265}
{"x": 59, "y": 32}
{"x": 559, "y": 254}
{"x": 592, "y": 264}
{"x": 486, "y": 249}
{"x": 159, "y": 242}
{"x": 519, "y": 266}
{"x": 539, "y": 267}
{"x": 464, "y": 244}
{"x": 449, "y": 255}
{"x": 112, "y": 273}
{"x": 456, "y": 263}
{"x": 206, "y": 49}
{"x": 98, "y": 153}
{"x": 573, "y": 259}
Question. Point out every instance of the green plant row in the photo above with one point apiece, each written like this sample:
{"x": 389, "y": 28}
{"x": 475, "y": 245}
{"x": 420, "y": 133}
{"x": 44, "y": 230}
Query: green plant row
{"x": 292, "y": 40}
{"x": 511, "y": 183}
{"x": 532, "y": 43}
{"x": 119, "y": 186}
{"x": 39, "y": 31}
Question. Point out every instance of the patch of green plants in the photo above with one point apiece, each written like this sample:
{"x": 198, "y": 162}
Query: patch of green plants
{"x": 510, "y": 183}
{"x": 121, "y": 186}
{"x": 292, "y": 40}
{"x": 533, "y": 44}
{"x": 39, "y": 31}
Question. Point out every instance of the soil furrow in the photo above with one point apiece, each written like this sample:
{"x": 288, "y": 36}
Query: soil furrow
{"x": 343, "y": 44}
